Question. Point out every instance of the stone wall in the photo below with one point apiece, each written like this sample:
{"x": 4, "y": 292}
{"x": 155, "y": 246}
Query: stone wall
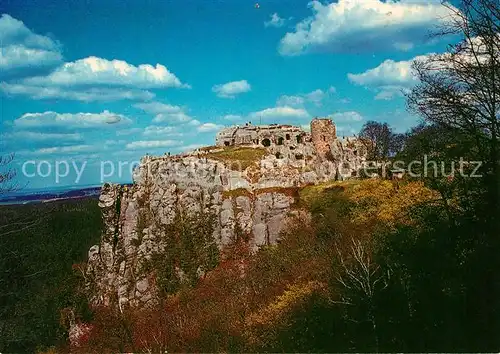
{"x": 263, "y": 135}
{"x": 323, "y": 136}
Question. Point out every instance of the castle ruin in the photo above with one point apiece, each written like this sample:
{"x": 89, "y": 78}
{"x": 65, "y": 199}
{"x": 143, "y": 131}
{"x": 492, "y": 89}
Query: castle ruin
{"x": 265, "y": 135}
{"x": 294, "y": 143}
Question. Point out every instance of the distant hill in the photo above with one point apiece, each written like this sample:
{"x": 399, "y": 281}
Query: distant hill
{"x": 45, "y": 195}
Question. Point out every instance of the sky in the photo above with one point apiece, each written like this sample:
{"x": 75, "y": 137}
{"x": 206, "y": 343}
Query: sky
{"x": 89, "y": 87}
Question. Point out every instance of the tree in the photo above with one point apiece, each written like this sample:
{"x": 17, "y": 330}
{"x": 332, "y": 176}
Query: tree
{"x": 381, "y": 141}
{"x": 460, "y": 89}
{"x": 7, "y": 174}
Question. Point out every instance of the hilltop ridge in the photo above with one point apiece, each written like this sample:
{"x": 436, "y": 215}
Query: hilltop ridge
{"x": 244, "y": 186}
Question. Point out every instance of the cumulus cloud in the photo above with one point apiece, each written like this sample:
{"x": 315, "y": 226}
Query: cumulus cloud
{"x": 347, "y": 117}
{"x": 389, "y": 79}
{"x": 23, "y": 52}
{"x": 394, "y": 78}
{"x": 316, "y": 97}
{"x": 95, "y": 79}
{"x": 17, "y": 60}
{"x": 94, "y": 71}
{"x": 172, "y": 118}
{"x": 275, "y": 21}
{"x": 165, "y": 113}
{"x": 364, "y": 25}
{"x": 158, "y": 107}
{"x": 292, "y": 101}
{"x": 70, "y": 120}
{"x": 87, "y": 95}
{"x": 348, "y": 122}
{"x": 154, "y": 130}
{"x": 231, "y": 89}
{"x": 280, "y": 112}
{"x": 151, "y": 144}
{"x": 209, "y": 127}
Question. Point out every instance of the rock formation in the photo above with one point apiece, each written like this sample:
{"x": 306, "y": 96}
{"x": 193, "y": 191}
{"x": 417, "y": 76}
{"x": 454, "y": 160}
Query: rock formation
{"x": 253, "y": 202}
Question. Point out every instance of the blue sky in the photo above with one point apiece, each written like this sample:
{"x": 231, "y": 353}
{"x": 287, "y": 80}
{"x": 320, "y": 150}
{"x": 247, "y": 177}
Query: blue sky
{"x": 103, "y": 82}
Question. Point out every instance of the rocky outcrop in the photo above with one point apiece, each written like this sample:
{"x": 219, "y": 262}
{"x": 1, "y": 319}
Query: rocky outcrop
{"x": 140, "y": 221}
{"x": 136, "y": 219}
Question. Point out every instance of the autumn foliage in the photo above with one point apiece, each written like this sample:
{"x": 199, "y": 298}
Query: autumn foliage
{"x": 259, "y": 301}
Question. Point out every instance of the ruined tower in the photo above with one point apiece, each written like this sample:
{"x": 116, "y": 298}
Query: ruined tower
{"x": 323, "y": 135}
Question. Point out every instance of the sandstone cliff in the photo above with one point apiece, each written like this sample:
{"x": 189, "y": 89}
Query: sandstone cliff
{"x": 213, "y": 201}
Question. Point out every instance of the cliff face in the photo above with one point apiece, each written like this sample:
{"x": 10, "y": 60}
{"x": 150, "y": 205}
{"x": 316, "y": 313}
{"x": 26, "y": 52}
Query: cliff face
{"x": 189, "y": 202}
{"x": 137, "y": 219}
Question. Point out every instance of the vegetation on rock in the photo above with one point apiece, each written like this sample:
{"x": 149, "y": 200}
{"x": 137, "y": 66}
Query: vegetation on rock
{"x": 238, "y": 158}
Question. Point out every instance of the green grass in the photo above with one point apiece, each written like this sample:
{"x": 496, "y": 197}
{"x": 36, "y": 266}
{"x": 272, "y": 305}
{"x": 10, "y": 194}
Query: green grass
{"x": 238, "y": 157}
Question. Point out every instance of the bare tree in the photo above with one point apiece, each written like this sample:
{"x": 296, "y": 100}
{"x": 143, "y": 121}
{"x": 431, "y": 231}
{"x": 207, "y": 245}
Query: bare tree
{"x": 460, "y": 89}
{"x": 380, "y": 140}
{"x": 360, "y": 278}
{"x": 7, "y": 174}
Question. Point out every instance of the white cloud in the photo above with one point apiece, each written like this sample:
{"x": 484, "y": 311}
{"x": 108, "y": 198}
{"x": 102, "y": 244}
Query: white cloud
{"x": 231, "y": 89}
{"x": 394, "y": 78}
{"x": 154, "y": 130}
{"x": 275, "y": 21}
{"x": 44, "y": 137}
{"x": 346, "y": 130}
{"x": 87, "y": 95}
{"x": 364, "y": 25}
{"x": 165, "y": 113}
{"x": 280, "y": 112}
{"x": 158, "y": 107}
{"x": 15, "y": 58}
{"x": 209, "y": 127}
{"x": 130, "y": 131}
{"x": 70, "y": 120}
{"x": 91, "y": 79}
{"x": 13, "y": 31}
{"x": 66, "y": 150}
{"x": 347, "y": 123}
{"x": 316, "y": 97}
{"x": 94, "y": 71}
{"x": 194, "y": 123}
{"x": 172, "y": 118}
{"x": 347, "y": 117}
{"x": 389, "y": 79}
{"x": 23, "y": 52}
{"x": 151, "y": 144}
{"x": 293, "y": 101}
